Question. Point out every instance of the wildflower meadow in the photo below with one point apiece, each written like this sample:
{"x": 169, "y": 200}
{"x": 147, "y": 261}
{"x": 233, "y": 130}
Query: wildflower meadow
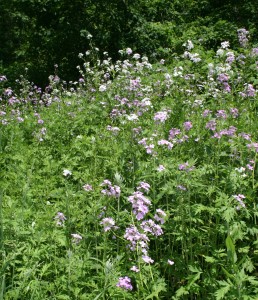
{"x": 138, "y": 181}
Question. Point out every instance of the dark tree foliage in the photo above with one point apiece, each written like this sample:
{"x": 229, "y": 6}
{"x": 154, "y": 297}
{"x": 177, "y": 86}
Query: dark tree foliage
{"x": 37, "y": 34}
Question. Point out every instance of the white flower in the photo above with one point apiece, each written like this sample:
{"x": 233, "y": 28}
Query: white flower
{"x": 160, "y": 168}
{"x": 132, "y": 117}
{"x": 171, "y": 262}
{"x": 136, "y": 56}
{"x": 76, "y": 238}
{"x": 129, "y": 51}
{"x": 147, "y": 259}
{"x": 167, "y": 76}
{"x": 220, "y": 52}
{"x": 146, "y": 102}
{"x": 67, "y": 172}
{"x": 134, "y": 269}
{"x": 240, "y": 170}
{"x": 189, "y": 45}
{"x": 225, "y": 45}
{"x": 102, "y": 88}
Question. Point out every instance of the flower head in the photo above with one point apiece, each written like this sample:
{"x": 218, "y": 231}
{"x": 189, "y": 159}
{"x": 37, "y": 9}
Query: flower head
{"x": 160, "y": 168}
{"x": 76, "y": 238}
{"x": 134, "y": 269}
{"x": 147, "y": 259}
{"x": 108, "y": 223}
{"x": 87, "y": 187}
{"x": 67, "y": 173}
{"x": 60, "y": 219}
{"x": 125, "y": 283}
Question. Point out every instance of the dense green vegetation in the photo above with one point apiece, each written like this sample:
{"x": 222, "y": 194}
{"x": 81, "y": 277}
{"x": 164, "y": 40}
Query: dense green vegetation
{"x": 37, "y": 34}
{"x": 137, "y": 181}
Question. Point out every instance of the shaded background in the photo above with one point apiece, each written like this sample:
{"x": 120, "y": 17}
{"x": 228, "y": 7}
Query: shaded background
{"x": 37, "y": 34}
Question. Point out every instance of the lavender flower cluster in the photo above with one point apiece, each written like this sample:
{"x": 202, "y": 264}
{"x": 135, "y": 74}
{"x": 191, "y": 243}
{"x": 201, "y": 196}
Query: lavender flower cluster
{"x": 110, "y": 190}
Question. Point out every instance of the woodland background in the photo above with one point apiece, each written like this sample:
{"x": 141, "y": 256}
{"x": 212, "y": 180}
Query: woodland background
{"x": 38, "y": 34}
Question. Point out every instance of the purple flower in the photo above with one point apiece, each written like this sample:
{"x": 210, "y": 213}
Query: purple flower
{"x": 234, "y": 112}
{"x": 231, "y": 131}
{"x": 125, "y": 283}
{"x": 230, "y": 57}
{"x": 140, "y": 204}
{"x": 161, "y": 116}
{"x": 221, "y": 114}
{"x": 167, "y": 143}
{"x": 151, "y": 227}
{"x": 188, "y": 125}
{"x": 250, "y": 91}
{"x": 143, "y": 186}
{"x": 245, "y": 136}
{"x": 43, "y": 131}
{"x": 143, "y": 142}
{"x": 254, "y": 52}
{"x": 206, "y": 113}
{"x": 137, "y": 240}
{"x": 223, "y": 77}
{"x": 211, "y": 125}
{"x": 20, "y": 119}
{"x": 185, "y": 167}
{"x": 253, "y": 146}
{"x": 173, "y": 133}
{"x": 226, "y": 87}
{"x": 149, "y": 148}
{"x": 239, "y": 198}
{"x": 111, "y": 191}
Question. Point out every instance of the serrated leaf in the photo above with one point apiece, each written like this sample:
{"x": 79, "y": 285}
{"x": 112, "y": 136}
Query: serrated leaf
{"x": 181, "y": 291}
{"x": 158, "y": 287}
{"x": 194, "y": 269}
{"x": 220, "y": 294}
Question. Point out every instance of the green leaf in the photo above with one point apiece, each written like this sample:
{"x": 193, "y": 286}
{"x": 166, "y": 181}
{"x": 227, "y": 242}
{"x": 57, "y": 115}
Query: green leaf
{"x": 231, "y": 249}
{"x": 220, "y": 294}
{"x": 209, "y": 259}
{"x": 158, "y": 287}
{"x": 181, "y": 291}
